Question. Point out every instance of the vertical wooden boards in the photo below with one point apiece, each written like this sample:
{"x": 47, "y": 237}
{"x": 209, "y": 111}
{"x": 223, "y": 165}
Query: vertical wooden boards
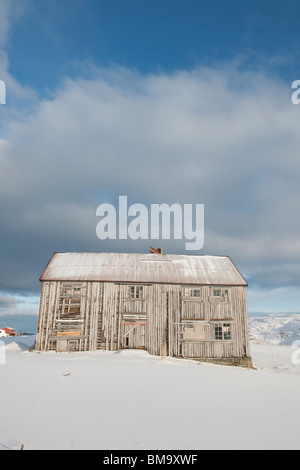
{"x": 162, "y": 318}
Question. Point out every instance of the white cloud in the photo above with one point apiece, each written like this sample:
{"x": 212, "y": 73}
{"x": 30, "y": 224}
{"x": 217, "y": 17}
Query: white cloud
{"x": 219, "y": 136}
{"x": 280, "y": 300}
{"x": 18, "y": 305}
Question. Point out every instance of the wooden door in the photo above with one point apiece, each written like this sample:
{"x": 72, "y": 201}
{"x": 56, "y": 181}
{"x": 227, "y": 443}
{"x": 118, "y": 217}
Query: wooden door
{"x": 133, "y": 334}
{"x": 68, "y": 345}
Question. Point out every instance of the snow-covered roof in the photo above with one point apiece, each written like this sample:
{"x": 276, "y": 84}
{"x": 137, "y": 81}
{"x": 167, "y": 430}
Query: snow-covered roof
{"x": 143, "y": 268}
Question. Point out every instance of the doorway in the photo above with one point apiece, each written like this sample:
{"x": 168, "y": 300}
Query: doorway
{"x": 133, "y": 332}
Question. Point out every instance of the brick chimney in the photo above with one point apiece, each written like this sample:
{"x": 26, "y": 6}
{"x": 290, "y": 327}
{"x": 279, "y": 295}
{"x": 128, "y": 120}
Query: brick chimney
{"x": 156, "y": 251}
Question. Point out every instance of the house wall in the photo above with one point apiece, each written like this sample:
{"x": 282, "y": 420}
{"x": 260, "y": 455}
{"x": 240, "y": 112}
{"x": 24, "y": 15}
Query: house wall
{"x": 164, "y": 320}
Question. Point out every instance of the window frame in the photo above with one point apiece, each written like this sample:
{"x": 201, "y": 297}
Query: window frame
{"x": 219, "y": 330}
{"x": 71, "y": 297}
{"x": 190, "y": 326}
{"x": 224, "y": 295}
{"x": 189, "y": 293}
{"x": 135, "y": 292}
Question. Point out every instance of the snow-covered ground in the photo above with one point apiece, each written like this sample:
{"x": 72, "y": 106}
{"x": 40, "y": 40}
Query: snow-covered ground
{"x": 275, "y": 329}
{"x": 130, "y": 400}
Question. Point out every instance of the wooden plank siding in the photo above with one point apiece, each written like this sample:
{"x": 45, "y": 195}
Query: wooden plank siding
{"x": 102, "y": 316}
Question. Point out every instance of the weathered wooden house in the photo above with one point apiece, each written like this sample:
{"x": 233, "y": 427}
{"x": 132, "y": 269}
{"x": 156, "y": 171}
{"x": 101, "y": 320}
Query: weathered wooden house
{"x": 182, "y": 306}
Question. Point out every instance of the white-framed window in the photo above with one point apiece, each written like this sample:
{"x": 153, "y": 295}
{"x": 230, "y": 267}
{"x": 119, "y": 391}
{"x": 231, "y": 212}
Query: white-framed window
{"x": 193, "y": 292}
{"x": 223, "y": 331}
{"x": 135, "y": 292}
{"x": 220, "y": 294}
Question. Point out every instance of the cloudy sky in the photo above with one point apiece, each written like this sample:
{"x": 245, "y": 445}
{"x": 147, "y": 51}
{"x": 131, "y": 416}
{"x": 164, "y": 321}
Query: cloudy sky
{"x": 163, "y": 101}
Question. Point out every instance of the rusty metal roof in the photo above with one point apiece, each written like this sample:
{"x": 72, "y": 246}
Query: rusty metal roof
{"x": 143, "y": 268}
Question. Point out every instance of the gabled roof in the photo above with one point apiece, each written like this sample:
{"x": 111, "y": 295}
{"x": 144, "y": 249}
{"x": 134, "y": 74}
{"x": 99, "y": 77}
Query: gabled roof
{"x": 143, "y": 268}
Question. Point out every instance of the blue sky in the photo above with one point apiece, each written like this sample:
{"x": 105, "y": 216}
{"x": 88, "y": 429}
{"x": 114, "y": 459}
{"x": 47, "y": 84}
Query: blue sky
{"x": 163, "y": 101}
{"x": 150, "y": 35}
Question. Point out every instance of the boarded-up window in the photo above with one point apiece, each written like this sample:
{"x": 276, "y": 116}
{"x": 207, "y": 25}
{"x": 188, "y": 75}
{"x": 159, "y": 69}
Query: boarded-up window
{"x": 195, "y": 331}
{"x": 192, "y": 310}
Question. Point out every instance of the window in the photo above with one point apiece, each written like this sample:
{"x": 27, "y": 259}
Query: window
{"x": 135, "y": 292}
{"x": 223, "y": 332}
{"x": 71, "y": 291}
{"x": 221, "y": 294}
{"x": 219, "y": 332}
{"x": 193, "y": 292}
{"x": 195, "y": 331}
{"x": 70, "y": 301}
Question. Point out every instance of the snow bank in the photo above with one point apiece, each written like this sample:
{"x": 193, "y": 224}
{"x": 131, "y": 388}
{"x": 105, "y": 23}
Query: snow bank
{"x": 18, "y": 343}
{"x": 129, "y": 400}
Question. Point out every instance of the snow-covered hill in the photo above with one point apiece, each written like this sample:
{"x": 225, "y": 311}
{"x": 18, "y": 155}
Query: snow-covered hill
{"x": 275, "y": 329}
